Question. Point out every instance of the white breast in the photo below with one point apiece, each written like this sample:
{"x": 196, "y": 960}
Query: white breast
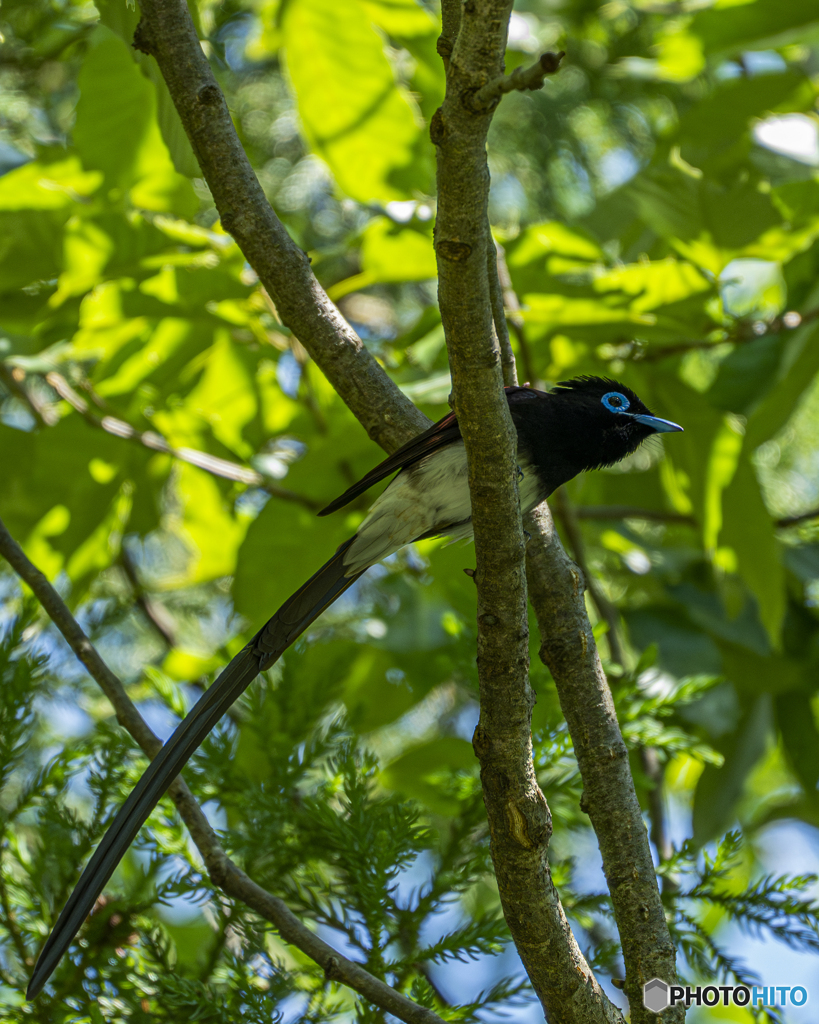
{"x": 430, "y": 497}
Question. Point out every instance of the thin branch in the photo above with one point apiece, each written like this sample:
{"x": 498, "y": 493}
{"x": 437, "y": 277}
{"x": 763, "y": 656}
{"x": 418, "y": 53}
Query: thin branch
{"x": 653, "y": 771}
{"x": 515, "y": 320}
{"x": 803, "y": 517}
{"x": 609, "y": 797}
{"x": 212, "y": 464}
{"x": 496, "y": 297}
{"x": 631, "y": 512}
{"x": 222, "y": 870}
{"x": 660, "y": 516}
{"x": 166, "y": 32}
{"x": 154, "y": 613}
{"x": 607, "y": 611}
{"x": 450, "y": 25}
{"x": 13, "y": 378}
{"x": 519, "y": 819}
{"x": 652, "y": 767}
{"x": 521, "y": 80}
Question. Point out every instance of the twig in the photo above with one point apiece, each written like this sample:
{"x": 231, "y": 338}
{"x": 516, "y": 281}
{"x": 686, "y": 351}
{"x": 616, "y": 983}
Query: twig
{"x": 151, "y": 439}
{"x": 13, "y": 377}
{"x": 803, "y": 517}
{"x": 607, "y": 611}
{"x": 222, "y": 870}
{"x": 520, "y": 80}
{"x": 631, "y": 512}
{"x": 660, "y": 516}
{"x": 512, "y": 306}
{"x": 653, "y": 770}
{"x": 496, "y": 297}
{"x": 155, "y": 614}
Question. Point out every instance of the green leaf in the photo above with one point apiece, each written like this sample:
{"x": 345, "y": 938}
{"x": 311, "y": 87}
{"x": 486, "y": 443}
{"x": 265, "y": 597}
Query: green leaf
{"x": 394, "y": 252}
{"x": 749, "y": 531}
{"x": 47, "y": 186}
{"x": 116, "y": 129}
{"x": 283, "y": 547}
{"x": 797, "y": 722}
{"x": 719, "y": 789}
{"x": 354, "y": 114}
{"x": 799, "y": 366}
{"x": 424, "y": 772}
{"x": 735, "y": 26}
{"x": 207, "y": 514}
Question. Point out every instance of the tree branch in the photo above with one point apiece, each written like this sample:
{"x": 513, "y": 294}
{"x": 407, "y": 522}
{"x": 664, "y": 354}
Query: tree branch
{"x": 116, "y": 427}
{"x": 609, "y": 797}
{"x": 607, "y": 611}
{"x": 512, "y": 307}
{"x": 496, "y": 297}
{"x": 166, "y": 32}
{"x": 631, "y": 512}
{"x": 470, "y": 293}
{"x": 521, "y": 79}
{"x": 224, "y": 873}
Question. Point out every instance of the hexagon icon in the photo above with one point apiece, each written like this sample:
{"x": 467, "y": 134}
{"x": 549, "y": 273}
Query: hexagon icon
{"x": 655, "y": 995}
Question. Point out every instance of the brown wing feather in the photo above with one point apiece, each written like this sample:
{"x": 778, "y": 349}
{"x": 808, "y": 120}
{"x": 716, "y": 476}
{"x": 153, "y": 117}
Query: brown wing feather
{"x": 443, "y": 432}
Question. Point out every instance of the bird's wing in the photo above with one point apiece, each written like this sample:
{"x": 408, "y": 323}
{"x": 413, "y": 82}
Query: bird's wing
{"x": 439, "y": 435}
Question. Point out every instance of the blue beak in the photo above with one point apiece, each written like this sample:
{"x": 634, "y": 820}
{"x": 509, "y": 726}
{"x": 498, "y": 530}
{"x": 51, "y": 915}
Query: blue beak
{"x": 657, "y": 425}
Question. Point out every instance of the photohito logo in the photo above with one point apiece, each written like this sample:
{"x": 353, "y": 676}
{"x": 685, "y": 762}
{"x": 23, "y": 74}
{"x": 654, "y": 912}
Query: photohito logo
{"x": 658, "y": 995}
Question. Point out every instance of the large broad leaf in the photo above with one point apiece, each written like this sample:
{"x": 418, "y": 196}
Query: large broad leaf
{"x": 735, "y": 26}
{"x": 800, "y": 364}
{"x": 794, "y": 712}
{"x": 352, "y": 110}
{"x": 116, "y": 130}
{"x": 685, "y": 470}
{"x": 68, "y": 492}
{"x": 719, "y": 789}
{"x": 423, "y": 773}
{"x": 122, "y": 19}
{"x": 749, "y": 531}
{"x": 717, "y": 121}
{"x": 48, "y": 186}
{"x": 393, "y": 252}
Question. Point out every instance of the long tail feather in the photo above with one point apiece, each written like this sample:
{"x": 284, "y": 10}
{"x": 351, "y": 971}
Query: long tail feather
{"x": 289, "y": 622}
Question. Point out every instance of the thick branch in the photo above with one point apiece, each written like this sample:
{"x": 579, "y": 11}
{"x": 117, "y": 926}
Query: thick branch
{"x": 167, "y": 33}
{"x": 471, "y": 301}
{"x": 609, "y": 797}
{"x": 520, "y": 80}
{"x": 223, "y": 871}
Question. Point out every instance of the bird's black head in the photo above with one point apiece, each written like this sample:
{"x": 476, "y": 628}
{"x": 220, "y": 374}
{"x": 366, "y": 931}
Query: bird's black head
{"x": 584, "y": 423}
{"x": 603, "y": 421}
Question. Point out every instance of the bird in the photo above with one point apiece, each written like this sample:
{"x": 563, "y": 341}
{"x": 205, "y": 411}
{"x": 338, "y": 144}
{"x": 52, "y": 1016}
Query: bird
{"x": 581, "y": 424}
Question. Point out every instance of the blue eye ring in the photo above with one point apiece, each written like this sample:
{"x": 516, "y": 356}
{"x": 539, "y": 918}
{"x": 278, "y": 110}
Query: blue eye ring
{"x": 615, "y": 402}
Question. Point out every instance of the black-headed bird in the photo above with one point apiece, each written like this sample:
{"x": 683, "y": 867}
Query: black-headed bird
{"x": 582, "y": 424}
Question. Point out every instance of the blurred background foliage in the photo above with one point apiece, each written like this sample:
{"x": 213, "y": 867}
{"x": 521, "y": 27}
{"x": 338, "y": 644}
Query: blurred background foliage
{"x": 165, "y": 443}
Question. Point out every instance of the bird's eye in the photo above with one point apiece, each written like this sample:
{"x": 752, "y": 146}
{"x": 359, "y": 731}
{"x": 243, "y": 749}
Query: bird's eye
{"x": 615, "y": 402}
